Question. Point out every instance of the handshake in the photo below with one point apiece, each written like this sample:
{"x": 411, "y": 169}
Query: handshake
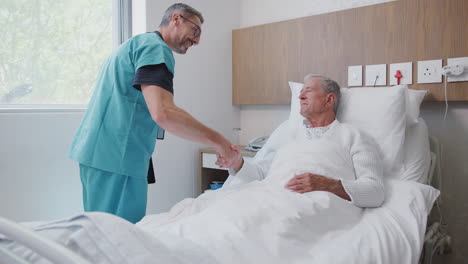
{"x": 230, "y": 157}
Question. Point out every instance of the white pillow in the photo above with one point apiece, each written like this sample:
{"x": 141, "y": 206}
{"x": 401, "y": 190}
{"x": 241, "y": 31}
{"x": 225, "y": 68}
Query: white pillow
{"x": 381, "y": 113}
{"x": 294, "y": 114}
{"x": 414, "y": 99}
{"x": 277, "y": 138}
{"x": 417, "y": 157}
{"x": 413, "y": 104}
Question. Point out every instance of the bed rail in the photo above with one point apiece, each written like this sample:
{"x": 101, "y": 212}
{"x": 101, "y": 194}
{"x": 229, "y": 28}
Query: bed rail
{"x": 434, "y": 176}
{"x": 436, "y": 239}
{"x": 49, "y": 249}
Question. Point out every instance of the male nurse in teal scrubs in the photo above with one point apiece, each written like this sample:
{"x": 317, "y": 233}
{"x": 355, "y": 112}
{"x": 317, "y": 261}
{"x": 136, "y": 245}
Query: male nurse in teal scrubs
{"x": 132, "y": 100}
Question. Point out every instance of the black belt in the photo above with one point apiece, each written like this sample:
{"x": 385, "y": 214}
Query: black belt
{"x": 160, "y": 136}
{"x": 151, "y": 178}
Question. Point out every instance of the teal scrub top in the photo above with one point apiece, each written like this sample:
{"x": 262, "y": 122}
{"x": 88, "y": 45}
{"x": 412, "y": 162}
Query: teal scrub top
{"x": 117, "y": 133}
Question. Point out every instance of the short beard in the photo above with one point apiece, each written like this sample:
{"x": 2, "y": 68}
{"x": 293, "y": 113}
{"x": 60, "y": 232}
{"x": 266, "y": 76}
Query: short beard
{"x": 182, "y": 45}
{"x": 178, "y": 51}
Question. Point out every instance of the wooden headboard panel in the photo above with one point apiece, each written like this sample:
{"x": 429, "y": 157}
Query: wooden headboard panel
{"x": 266, "y": 57}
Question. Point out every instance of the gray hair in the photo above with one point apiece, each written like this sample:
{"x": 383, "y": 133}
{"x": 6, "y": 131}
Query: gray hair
{"x": 328, "y": 86}
{"x": 180, "y": 8}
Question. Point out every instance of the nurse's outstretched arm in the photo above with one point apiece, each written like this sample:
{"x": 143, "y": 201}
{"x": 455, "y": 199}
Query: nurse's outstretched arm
{"x": 177, "y": 121}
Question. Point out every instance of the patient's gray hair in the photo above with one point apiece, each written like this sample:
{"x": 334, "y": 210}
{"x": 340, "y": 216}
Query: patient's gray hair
{"x": 328, "y": 86}
{"x": 180, "y": 8}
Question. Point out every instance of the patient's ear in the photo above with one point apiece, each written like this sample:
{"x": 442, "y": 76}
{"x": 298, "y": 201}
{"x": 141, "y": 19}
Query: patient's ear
{"x": 331, "y": 98}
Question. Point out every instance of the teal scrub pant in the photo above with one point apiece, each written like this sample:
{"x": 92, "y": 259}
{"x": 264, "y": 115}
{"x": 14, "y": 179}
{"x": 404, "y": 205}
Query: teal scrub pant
{"x": 121, "y": 195}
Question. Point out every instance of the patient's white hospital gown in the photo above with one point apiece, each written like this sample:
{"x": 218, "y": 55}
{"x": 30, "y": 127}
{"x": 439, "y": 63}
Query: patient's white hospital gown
{"x": 367, "y": 190}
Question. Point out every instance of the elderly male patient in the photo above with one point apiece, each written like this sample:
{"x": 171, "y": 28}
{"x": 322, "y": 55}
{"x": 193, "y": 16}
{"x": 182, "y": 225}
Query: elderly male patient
{"x": 319, "y": 102}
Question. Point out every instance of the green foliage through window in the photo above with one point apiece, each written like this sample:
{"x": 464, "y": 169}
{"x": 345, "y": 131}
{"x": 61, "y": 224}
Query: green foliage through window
{"x": 51, "y": 50}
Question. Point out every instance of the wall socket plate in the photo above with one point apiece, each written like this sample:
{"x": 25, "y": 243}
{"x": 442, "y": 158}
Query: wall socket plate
{"x": 458, "y": 61}
{"x": 429, "y": 71}
{"x": 372, "y": 71}
{"x": 355, "y": 75}
{"x": 406, "y": 69}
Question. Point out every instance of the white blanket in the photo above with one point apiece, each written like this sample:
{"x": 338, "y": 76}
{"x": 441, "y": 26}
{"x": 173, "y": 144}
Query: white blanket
{"x": 262, "y": 222}
{"x": 107, "y": 239}
{"x": 390, "y": 234}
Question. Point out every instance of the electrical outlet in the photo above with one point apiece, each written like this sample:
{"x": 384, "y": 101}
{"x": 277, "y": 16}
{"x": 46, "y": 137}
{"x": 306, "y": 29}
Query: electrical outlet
{"x": 355, "y": 75}
{"x": 406, "y": 70}
{"x": 376, "y": 75}
{"x": 429, "y": 71}
{"x": 455, "y": 70}
{"x": 462, "y": 69}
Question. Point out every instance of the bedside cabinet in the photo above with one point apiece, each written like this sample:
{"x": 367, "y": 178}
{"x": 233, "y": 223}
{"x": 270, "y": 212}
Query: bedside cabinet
{"x": 209, "y": 171}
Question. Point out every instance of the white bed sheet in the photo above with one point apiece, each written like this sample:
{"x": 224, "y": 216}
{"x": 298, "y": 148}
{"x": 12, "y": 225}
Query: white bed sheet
{"x": 390, "y": 234}
{"x": 103, "y": 238}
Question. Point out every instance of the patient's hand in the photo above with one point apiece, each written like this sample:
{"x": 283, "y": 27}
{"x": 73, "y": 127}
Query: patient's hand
{"x": 309, "y": 182}
{"x": 236, "y": 162}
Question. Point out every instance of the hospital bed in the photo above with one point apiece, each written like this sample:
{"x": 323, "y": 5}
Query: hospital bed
{"x": 392, "y": 233}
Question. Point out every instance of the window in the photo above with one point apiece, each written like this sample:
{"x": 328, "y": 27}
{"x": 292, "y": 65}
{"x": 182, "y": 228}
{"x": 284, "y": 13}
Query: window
{"x": 51, "y": 50}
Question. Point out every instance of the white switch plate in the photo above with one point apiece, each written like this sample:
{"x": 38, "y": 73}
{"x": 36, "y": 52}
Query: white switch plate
{"x": 372, "y": 71}
{"x": 406, "y": 70}
{"x": 429, "y": 71}
{"x": 355, "y": 75}
{"x": 460, "y": 61}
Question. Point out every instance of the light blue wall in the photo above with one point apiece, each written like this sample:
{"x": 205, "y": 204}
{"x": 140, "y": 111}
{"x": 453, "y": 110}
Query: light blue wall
{"x": 37, "y": 180}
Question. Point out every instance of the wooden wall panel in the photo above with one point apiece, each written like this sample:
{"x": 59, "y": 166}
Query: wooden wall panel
{"x": 266, "y": 57}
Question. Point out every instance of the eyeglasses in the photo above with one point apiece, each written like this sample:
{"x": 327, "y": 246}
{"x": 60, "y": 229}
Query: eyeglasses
{"x": 196, "y": 30}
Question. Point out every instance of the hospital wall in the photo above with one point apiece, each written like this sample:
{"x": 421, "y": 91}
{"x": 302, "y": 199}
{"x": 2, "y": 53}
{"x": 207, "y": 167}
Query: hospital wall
{"x": 39, "y": 182}
{"x": 257, "y": 120}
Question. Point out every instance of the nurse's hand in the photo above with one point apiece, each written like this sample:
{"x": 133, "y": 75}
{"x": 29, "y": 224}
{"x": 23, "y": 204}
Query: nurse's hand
{"x": 229, "y": 157}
